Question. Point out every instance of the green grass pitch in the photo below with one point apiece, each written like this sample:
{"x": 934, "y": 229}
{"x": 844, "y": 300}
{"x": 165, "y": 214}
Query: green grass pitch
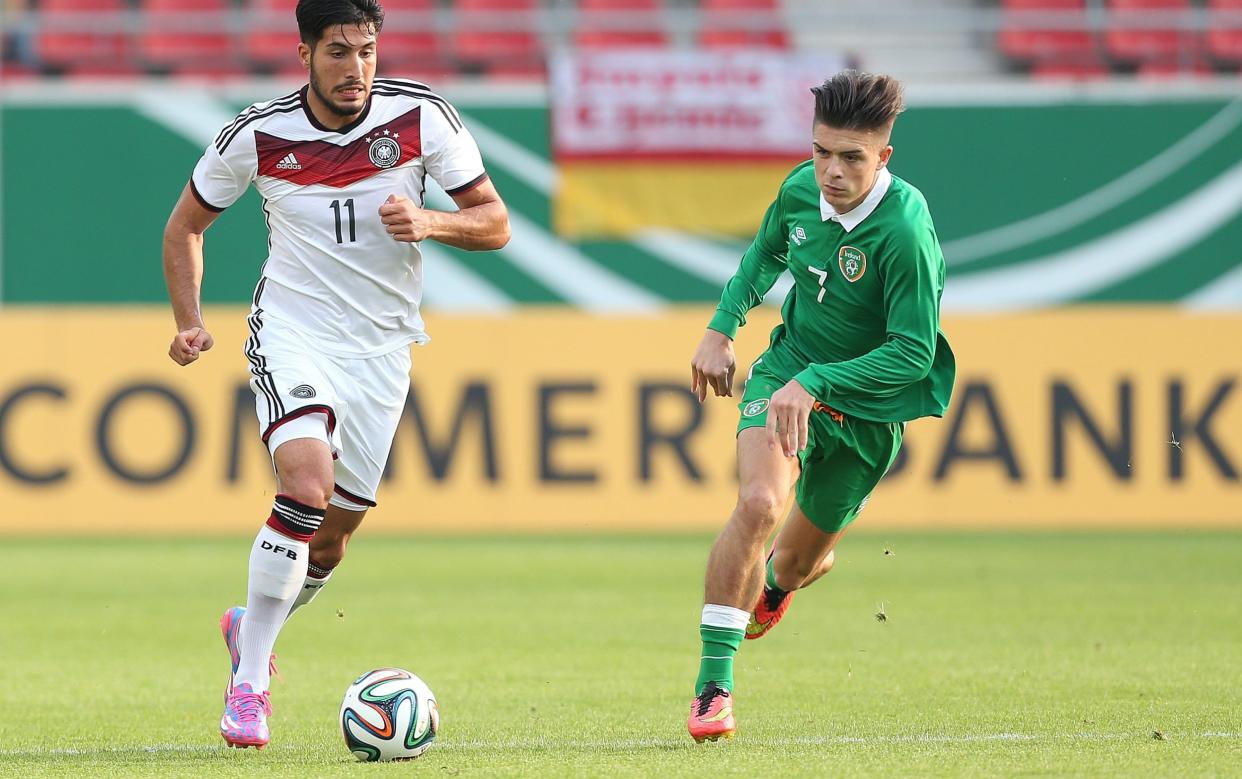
{"x": 1002, "y": 654}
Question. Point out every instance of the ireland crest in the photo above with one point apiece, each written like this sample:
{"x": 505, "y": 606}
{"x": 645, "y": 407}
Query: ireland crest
{"x": 755, "y": 408}
{"x": 853, "y": 263}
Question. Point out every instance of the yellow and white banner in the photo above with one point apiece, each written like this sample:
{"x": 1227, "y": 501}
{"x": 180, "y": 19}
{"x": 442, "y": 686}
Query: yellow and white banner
{"x": 695, "y": 140}
{"x": 560, "y": 420}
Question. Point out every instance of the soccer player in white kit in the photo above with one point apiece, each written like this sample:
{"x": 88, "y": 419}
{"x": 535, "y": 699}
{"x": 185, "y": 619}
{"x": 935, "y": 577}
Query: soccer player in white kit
{"x": 341, "y": 165}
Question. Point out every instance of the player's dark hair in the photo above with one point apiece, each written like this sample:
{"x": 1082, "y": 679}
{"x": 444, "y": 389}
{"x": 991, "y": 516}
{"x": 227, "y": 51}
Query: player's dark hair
{"x": 315, "y": 16}
{"x": 852, "y": 100}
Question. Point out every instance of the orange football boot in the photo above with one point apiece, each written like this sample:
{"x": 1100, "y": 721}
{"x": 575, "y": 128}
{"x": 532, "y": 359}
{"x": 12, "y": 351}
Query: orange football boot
{"x": 711, "y": 715}
{"x": 771, "y": 606}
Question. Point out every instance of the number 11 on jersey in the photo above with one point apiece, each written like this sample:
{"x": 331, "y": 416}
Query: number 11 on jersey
{"x": 349, "y": 206}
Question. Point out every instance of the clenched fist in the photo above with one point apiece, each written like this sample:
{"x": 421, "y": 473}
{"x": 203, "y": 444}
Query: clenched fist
{"x": 404, "y": 220}
{"x": 188, "y": 344}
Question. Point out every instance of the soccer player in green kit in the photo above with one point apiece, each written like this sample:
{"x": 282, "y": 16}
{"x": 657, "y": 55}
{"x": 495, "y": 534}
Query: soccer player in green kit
{"x": 858, "y": 353}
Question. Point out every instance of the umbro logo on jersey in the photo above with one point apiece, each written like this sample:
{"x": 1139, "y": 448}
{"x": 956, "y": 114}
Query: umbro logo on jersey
{"x": 289, "y": 163}
{"x": 797, "y": 235}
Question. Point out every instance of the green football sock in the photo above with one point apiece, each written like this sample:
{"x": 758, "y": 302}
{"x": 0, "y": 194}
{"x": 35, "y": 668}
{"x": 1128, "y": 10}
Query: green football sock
{"x": 716, "y": 662}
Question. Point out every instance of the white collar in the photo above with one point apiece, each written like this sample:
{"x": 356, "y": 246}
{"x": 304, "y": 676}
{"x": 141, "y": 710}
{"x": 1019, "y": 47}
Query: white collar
{"x": 854, "y": 218}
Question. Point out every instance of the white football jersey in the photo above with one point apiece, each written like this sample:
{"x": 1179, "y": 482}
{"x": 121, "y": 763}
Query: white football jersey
{"x": 332, "y": 272}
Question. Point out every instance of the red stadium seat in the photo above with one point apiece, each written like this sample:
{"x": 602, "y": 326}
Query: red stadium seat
{"x": 1023, "y": 38}
{"x": 497, "y": 37}
{"x": 10, "y": 72}
{"x": 409, "y": 41}
{"x": 1070, "y": 71}
{"x": 273, "y": 38}
{"x": 1132, "y": 38}
{"x": 120, "y": 70}
{"x": 1223, "y": 41}
{"x": 223, "y": 71}
{"x": 67, "y": 39}
{"x": 611, "y": 24}
{"x": 737, "y": 24}
{"x": 1171, "y": 69}
{"x": 182, "y": 34}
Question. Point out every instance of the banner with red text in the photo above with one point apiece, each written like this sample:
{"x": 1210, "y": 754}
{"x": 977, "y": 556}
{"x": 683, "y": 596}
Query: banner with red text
{"x": 693, "y": 140}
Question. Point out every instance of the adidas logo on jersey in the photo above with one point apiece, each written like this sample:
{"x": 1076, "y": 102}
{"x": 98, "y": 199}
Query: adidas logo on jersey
{"x": 289, "y": 163}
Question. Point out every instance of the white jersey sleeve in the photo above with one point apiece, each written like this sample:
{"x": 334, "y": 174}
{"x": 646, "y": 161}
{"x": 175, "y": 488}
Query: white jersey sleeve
{"x": 450, "y": 155}
{"x": 227, "y": 167}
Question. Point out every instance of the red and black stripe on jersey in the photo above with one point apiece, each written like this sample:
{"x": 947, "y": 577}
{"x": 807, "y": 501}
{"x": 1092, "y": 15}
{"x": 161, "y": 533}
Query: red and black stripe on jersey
{"x": 333, "y": 165}
{"x": 283, "y": 105}
{"x": 396, "y": 87}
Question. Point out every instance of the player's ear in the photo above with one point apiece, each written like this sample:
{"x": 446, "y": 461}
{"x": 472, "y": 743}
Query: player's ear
{"x": 304, "y": 54}
{"x": 885, "y": 153}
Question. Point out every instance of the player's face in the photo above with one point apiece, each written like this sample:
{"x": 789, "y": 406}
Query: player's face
{"x": 847, "y": 162}
{"x": 342, "y": 66}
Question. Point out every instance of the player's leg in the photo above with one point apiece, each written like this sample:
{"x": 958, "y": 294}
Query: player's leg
{"x": 281, "y": 552}
{"x": 277, "y": 570}
{"x": 801, "y": 554}
{"x": 374, "y": 391}
{"x": 327, "y": 549}
{"x": 734, "y": 578}
{"x": 851, "y": 458}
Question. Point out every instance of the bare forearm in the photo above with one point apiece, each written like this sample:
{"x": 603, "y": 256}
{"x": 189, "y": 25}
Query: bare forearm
{"x": 478, "y": 228}
{"x": 183, "y": 273}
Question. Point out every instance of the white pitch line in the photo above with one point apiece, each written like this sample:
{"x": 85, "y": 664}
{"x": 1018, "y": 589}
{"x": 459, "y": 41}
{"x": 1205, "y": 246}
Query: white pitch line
{"x": 704, "y": 259}
{"x": 539, "y": 744}
{"x": 542, "y": 744}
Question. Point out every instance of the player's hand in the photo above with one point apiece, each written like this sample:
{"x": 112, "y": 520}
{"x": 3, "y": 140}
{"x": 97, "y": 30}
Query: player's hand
{"x": 789, "y": 413}
{"x": 188, "y": 344}
{"x": 713, "y": 365}
{"x": 404, "y": 220}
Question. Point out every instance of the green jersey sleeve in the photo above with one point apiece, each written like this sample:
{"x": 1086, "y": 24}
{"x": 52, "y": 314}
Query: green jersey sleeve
{"x": 762, "y": 264}
{"x": 913, "y": 283}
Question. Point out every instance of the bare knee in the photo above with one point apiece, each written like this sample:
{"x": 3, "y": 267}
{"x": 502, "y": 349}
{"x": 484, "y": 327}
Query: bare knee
{"x": 305, "y": 471}
{"x": 309, "y": 489}
{"x": 758, "y": 510}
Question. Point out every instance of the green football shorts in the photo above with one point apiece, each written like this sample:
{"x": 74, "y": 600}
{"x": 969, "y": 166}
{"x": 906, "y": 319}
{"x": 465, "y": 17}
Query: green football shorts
{"x": 842, "y": 462}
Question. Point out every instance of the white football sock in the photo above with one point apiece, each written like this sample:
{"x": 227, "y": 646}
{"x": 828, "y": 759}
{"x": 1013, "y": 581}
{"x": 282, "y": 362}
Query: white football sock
{"x": 316, "y": 578}
{"x": 277, "y": 569}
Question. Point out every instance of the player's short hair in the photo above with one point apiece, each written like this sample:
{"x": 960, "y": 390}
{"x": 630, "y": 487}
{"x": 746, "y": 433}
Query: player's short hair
{"x": 315, "y": 16}
{"x": 852, "y": 100}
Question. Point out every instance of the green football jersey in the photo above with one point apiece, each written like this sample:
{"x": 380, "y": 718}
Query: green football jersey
{"x": 860, "y": 328}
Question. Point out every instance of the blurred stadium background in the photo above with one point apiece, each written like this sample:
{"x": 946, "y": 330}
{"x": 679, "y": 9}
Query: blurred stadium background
{"x": 1083, "y": 163}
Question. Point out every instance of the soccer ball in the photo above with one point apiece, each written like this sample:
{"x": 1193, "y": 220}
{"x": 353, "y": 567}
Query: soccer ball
{"x": 389, "y": 714}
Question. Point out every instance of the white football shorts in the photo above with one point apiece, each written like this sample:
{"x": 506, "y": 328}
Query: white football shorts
{"x": 352, "y": 405}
